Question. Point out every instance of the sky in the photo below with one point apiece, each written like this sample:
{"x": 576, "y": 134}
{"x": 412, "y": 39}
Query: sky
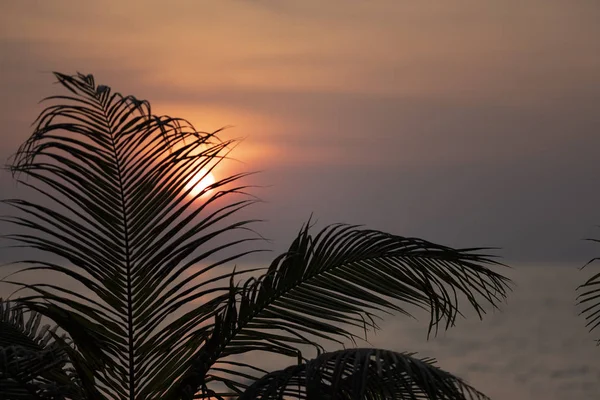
{"x": 467, "y": 123}
{"x": 463, "y": 122}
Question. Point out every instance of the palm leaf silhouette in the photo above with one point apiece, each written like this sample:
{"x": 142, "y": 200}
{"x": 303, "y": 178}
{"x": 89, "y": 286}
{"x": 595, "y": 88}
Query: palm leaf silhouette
{"x": 362, "y": 374}
{"x": 342, "y": 278}
{"x": 116, "y": 212}
{"x": 589, "y": 298}
{"x": 131, "y": 232}
{"x": 33, "y": 358}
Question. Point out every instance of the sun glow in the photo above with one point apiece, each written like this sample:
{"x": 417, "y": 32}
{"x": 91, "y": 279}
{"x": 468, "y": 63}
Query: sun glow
{"x": 199, "y": 182}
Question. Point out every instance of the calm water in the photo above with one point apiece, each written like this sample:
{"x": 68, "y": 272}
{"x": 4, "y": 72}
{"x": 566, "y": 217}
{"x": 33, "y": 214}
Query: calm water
{"x": 536, "y": 348}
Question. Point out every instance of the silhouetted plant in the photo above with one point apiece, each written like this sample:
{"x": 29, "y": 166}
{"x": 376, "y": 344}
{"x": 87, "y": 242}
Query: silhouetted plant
{"x": 161, "y": 319}
{"x": 589, "y": 298}
{"x": 34, "y": 360}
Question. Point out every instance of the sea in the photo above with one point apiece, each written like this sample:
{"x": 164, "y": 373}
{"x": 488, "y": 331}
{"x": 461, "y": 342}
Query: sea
{"x": 535, "y": 347}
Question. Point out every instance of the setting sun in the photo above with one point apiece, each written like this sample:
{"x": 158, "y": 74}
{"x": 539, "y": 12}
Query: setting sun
{"x": 200, "y": 181}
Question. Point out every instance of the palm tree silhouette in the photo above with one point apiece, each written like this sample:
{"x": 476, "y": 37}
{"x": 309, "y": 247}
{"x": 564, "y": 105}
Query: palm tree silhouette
{"x": 161, "y": 317}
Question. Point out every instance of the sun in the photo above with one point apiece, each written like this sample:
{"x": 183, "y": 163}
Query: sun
{"x": 200, "y": 181}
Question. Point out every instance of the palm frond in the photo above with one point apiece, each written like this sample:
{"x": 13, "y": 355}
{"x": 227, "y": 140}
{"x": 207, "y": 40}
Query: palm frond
{"x": 589, "y": 298}
{"x": 33, "y": 363}
{"x": 344, "y": 278}
{"x": 114, "y": 203}
{"x": 366, "y": 374}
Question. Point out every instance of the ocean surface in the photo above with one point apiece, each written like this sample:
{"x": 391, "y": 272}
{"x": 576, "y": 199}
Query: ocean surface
{"x": 536, "y": 347}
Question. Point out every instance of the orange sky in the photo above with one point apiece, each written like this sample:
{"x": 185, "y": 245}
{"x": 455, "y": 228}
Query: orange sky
{"x": 225, "y": 63}
{"x": 382, "y": 108}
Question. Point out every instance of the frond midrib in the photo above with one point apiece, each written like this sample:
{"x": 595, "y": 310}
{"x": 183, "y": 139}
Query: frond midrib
{"x": 126, "y": 247}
